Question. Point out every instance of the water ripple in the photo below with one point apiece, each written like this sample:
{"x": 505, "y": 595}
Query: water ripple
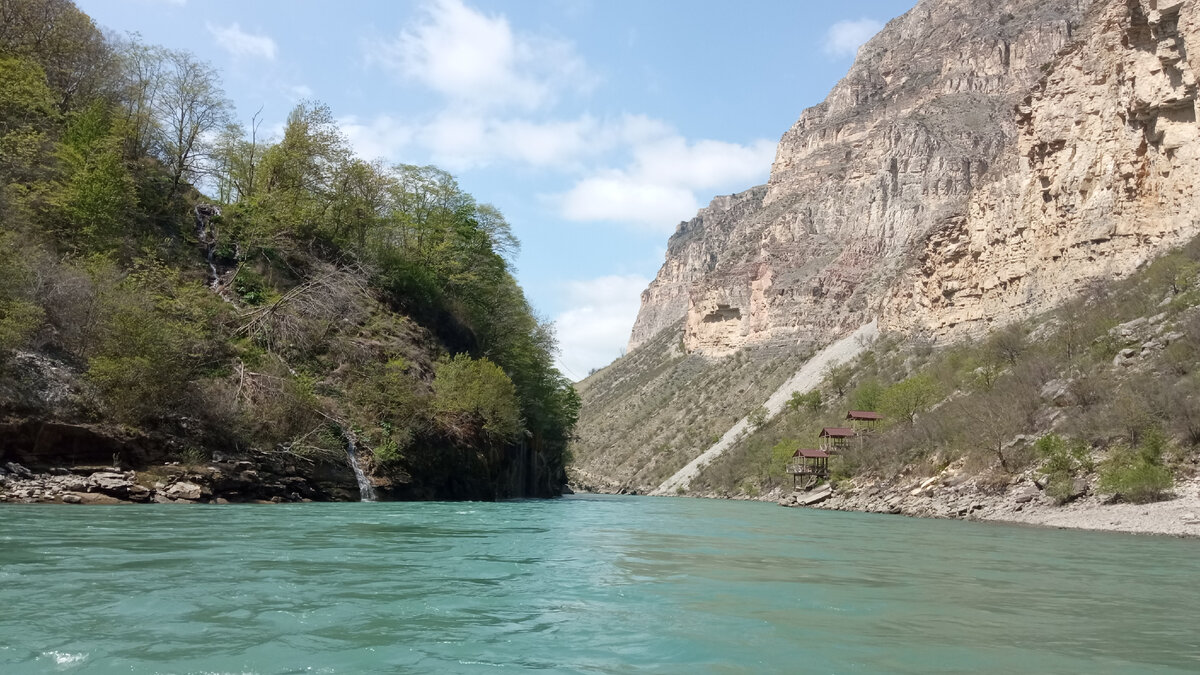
{"x": 586, "y": 584}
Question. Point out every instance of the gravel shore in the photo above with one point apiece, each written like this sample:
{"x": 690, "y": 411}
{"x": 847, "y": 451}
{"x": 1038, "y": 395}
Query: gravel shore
{"x": 1178, "y": 517}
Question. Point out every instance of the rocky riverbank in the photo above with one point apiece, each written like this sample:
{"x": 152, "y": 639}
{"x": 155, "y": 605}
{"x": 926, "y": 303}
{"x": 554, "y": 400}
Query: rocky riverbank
{"x": 256, "y": 479}
{"x": 1021, "y": 500}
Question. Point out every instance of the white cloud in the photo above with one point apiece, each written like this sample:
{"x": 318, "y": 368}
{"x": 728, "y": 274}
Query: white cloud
{"x": 659, "y": 187}
{"x": 462, "y": 140}
{"x": 300, "y": 91}
{"x": 478, "y": 60}
{"x": 239, "y": 43}
{"x": 596, "y": 329}
{"x": 843, "y": 38}
{"x": 383, "y": 137}
{"x": 619, "y": 197}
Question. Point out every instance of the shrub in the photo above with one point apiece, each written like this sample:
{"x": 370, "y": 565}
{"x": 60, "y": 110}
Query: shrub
{"x": 391, "y": 407}
{"x": 781, "y": 454}
{"x": 908, "y": 398}
{"x": 1062, "y": 461}
{"x": 867, "y": 395}
{"x": 810, "y": 401}
{"x": 758, "y": 417}
{"x": 1138, "y": 476}
{"x": 19, "y": 320}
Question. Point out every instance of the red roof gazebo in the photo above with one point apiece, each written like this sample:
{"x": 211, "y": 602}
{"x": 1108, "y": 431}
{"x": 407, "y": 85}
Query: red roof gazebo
{"x": 808, "y": 462}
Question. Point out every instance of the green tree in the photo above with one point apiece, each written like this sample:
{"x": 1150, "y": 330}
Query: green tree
{"x": 867, "y": 395}
{"x": 476, "y": 392}
{"x": 908, "y": 398}
{"x": 837, "y": 378}
{"x": 98, "y": 197}
{"x": 190, "y": 107}
{"x": 810, "y": 401}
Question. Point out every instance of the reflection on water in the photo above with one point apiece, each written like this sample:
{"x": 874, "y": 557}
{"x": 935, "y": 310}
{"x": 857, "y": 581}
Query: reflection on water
{"x": 584, "y": 584}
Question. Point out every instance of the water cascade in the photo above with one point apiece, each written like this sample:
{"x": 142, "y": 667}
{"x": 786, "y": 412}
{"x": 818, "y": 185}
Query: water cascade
{"x": 207, "y": 233}
{"x": 365, "y": 491}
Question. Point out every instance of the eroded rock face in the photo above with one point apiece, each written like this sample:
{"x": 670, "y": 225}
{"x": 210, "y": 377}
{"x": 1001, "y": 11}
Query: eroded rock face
{"x": 923, "y": 121}
{"x": 1106, "y": 180}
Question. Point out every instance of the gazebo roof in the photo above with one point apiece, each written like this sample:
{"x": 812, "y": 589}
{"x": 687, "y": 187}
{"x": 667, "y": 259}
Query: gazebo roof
{"x": 864, "y": 415}
{"x": 837, "y": 432}
{"x": 810, "y": 452}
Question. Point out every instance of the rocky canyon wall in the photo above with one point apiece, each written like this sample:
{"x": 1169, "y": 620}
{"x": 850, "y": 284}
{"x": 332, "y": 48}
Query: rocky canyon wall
{"x": 1105, "y": 179}
{"x": 923, "y": 121}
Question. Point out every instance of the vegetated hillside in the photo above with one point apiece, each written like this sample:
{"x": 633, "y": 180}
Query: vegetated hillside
{"x": 980, "y": 164}
{"x": 1101, "y": 394}
{"x": 633, "y": 443}
{"x": 313, "y": 303}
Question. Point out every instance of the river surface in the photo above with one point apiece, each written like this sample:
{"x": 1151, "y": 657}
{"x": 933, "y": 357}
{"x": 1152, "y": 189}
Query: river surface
{"x": 582, "y": 584}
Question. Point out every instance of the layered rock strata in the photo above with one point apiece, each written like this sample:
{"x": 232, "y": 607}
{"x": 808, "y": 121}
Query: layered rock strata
{"x": 1105, "y": 180}
{"x": 923, "y": 121}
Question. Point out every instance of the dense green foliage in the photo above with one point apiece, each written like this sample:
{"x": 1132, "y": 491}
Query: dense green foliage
{"x": 314, "y": 298}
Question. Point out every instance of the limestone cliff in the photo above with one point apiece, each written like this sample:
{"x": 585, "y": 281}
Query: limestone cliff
{"x": 982, "y": 161}
{"x": 921, "y": 122}
{"x": 1107, "y": 160}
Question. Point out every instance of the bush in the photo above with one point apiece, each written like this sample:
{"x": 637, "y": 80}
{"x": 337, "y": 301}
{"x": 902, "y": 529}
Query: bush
{"x": 1138, "y": 476}
{"x": 1062, "y": 462}
{"x": 19, "y": 320}
{"x": 391, "y": 408}
{"x": 867, "y": 396}
{"x": 758, "y": 417}
{"x": 810, "y": 401}
{"x": 477, "y": 392}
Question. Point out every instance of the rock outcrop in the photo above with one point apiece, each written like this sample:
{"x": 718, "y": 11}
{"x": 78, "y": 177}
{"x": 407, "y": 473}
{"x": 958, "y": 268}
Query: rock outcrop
{"x": 1106, "y": 172}
{"x": 923, "y": 121}
{"x": 981, "y": 162}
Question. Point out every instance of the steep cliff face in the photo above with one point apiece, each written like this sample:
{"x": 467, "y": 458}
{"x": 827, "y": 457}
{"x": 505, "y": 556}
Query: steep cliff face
{"x": 922, "y": 120}
{"x": 692, "y": 253}
{"x": 981, "y": 162}
{"x": 1105, "y": 175}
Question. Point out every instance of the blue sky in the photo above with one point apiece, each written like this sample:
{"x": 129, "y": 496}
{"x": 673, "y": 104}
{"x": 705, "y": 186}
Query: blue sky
{"x": 594, "y": 125}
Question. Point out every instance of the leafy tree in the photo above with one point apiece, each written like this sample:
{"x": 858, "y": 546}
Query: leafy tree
{"x": 70, "y": 49}
{"x": 98, "y": 197}
{"x": 908, "y": 398}
{"x": 1062, "y": 461}
{"x": 27, "y": 122}
{"x": 476, "y": 390}
{"x": 190, "y": 107}
{"x": 837, "y": 378}
{"x": 810, "y": 401}
{"x": 867, "y": 395}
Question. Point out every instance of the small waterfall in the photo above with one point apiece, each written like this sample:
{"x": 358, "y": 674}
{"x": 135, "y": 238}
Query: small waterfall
{"x": 366, "y": 493}
{"x": 207, "y": 234}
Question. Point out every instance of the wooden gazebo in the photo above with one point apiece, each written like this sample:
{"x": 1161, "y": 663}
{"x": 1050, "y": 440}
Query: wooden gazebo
{"x": 834, "y": 438}
{"x": 809, "y": 462}
{"x": 863, "y": 420}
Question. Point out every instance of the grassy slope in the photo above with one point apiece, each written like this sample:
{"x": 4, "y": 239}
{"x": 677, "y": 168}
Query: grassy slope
{"x": 652, "y": 411}
{"x": 1106, "y": 370}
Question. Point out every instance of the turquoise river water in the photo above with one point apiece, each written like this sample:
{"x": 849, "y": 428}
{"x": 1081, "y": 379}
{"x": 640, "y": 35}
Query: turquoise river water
{"x": 582, "y": 584}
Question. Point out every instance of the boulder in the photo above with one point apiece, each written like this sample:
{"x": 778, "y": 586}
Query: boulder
{"x": 72, "y": 499}
{"x": 18, "y": 470}
{"x": 109, "y": 483}
{"x": 184, "y": 490}
{"x": 1027, "y": 494}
